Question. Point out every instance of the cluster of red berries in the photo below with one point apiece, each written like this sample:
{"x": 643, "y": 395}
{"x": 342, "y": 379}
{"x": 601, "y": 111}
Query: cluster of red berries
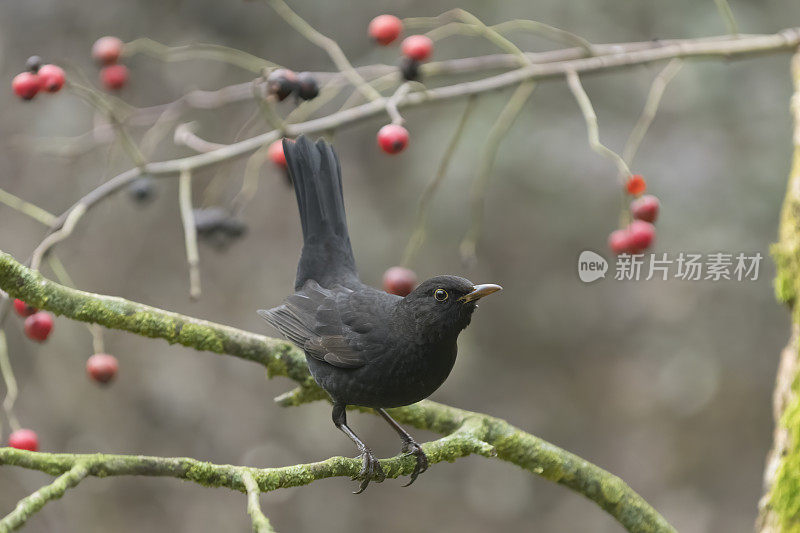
{"x": 640, "y": 233}
{"x": 38, "y": 324}
{"x": 38, "y": 77}
{"x": 399, "y": 280}
{"x": 107, "y": 51}
{"x": 282, "y": 82}
{"x": 384, "y": 30}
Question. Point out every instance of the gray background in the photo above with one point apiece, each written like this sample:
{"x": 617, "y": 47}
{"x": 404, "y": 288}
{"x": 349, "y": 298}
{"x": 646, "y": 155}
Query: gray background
{"x": 666, "y": 384}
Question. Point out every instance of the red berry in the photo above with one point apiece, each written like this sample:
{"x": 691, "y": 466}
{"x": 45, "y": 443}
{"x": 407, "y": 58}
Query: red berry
{"x": 38, "y": 326}
{"x": 23, "y": 309}
{"x": 642, "y": 235}
{"x": 393, "y": 138}
{"x": 385, "y": 29}
{"x": 51, "y": 78}
{"x": 419, "y": 47}
{"x": 636, "y": 185}
{"x": 620, "y": 241}
{"x": 106, "y": 50}
{"x": 399, "y": 280}
{"x": 25, "y": 85}
{"x": 102, "y": 367}
{"x": 645, "y": 208}
{"x": 276, "y": 155}
{"x": 114, "y": 77}
{"x": 24, "y": 439}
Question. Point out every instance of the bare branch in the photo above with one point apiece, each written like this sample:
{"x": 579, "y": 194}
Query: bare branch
{"x": 498, "y": 131}
{"x": 30, "y": 505}
{"x": 650, "y": 108}
{"x": 189, "y": 232}
{"x": 591, "y": 124}
{"x": 27, "y": 208}
{"x": 726, "y": 13}
{"x": 260, "y": 522}
{"x": 418, "y": 233}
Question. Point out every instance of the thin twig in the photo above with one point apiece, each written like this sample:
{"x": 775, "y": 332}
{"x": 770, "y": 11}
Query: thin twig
{"x": 260, "y": 522}
{"x": 418, "y": 233}
{"x": 194, "y": 51}
{"x": 391, "y": 103}
{"x": 11, "y": 383}
{"x": 63, "y": 277}
{"x": 189, "y": 232}
{"x": 65, "y": 231}
{"x": 650, "y": 108}
{"x": 30, "y": 505}
{"x": 593, "y": 131}
{"x": 27, "y": 208}
{"x": 498, "y": 131}
{"x": 726, "y": 13}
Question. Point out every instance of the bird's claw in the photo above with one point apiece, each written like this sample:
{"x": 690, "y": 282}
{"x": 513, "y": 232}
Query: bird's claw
{"x": 413, "y": 448}
{"x": 371, "y": 471}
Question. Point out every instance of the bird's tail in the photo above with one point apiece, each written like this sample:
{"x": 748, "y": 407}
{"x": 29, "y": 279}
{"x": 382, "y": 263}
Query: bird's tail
{"x": 327, "y": 256}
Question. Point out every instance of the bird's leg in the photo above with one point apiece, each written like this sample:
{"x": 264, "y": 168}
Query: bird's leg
{"x": 410, "y": 446}
{"x": 371, "y": 471}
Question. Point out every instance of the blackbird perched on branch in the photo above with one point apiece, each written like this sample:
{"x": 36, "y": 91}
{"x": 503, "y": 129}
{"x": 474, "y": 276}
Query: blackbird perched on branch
{"x": 364, "y": 346}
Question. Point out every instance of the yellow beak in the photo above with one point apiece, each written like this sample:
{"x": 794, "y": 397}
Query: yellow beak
{"x": 479, "y": 291}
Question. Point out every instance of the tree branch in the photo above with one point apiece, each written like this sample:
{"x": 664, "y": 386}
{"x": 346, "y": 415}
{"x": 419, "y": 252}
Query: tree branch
{"x": 779, "y": 508}
{"x": 30, "y": 505}
{"x": 466, "y": 432}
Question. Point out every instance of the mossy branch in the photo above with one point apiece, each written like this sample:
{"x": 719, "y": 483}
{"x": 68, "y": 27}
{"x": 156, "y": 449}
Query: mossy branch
{"x": 779, "y": 509}
{"x": 466, "y": 433}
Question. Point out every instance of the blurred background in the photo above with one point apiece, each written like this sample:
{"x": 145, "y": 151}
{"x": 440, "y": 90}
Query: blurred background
{"x": 666, "y": 384}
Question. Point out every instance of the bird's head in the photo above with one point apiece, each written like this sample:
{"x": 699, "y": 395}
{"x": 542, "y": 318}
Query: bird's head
{"x": 443, "y": 305}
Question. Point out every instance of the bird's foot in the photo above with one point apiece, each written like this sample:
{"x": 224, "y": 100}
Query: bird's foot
{"x": 371, "y": 471}
{"x": 412, "y": 447}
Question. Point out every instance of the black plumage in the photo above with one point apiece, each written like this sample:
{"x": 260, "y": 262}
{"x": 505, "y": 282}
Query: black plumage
{"x": 364, "y": 346}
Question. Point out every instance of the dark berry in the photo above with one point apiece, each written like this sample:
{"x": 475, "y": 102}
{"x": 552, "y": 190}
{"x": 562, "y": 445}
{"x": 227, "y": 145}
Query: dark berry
{"x": 33, "y": 64}
{"x": 409, "y": 68}
{"x": 281, "y": 82}
{"x": 142, "y": 190}
{"x": 307, "y": 87}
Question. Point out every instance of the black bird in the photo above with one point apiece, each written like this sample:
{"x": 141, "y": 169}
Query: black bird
{"x": 364, "y": 346}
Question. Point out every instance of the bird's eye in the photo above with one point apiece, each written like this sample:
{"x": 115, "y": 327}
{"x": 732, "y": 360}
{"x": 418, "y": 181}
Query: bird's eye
{"x": 440, "y": 294}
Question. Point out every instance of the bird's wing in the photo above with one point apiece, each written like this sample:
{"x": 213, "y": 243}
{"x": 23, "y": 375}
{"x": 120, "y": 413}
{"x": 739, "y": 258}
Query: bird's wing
{"x": 336, "y": 325}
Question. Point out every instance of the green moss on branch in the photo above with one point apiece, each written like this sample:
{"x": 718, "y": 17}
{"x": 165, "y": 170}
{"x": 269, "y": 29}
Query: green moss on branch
{"x": 466, "y": 433}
